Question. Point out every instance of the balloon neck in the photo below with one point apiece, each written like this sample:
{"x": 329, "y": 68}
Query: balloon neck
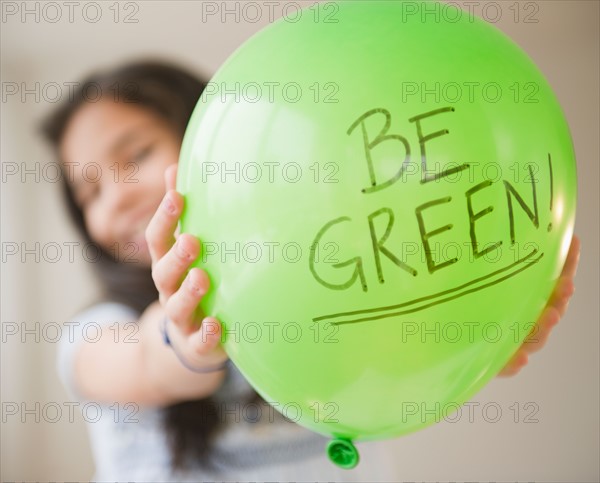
{"x": 343, "y": 453}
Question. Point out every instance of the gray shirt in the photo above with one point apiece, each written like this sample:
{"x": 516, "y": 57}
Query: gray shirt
{"x": 255, "y": 441}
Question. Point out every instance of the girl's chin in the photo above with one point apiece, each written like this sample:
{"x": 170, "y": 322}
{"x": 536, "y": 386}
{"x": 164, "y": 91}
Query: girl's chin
{"x": 132, "y": 251}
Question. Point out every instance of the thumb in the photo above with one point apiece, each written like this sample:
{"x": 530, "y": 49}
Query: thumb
{"x": 171, "y": 177}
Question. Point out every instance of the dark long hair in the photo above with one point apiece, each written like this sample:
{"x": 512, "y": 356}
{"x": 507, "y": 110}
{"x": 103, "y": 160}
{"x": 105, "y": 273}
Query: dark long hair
{"x": 172, "y": 93}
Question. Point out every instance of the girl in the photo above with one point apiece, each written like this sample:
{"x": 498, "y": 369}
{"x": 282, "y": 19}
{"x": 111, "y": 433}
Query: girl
{"x": 173, "y": 411}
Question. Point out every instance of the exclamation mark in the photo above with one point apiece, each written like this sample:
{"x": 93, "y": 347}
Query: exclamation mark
{"x": 551, "y": 188}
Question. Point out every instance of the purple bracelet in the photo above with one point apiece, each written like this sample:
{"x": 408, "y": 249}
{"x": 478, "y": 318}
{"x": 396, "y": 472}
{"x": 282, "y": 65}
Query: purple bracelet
{"x": 204, "y": 370}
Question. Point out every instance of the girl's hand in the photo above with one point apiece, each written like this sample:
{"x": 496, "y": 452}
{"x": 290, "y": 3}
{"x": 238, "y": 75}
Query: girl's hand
{"x": 180, "y": 293}
{"x": 555, "y": 309}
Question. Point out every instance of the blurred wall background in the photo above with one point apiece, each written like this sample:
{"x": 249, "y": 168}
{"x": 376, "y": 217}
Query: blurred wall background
{"x": 560, "y": 444}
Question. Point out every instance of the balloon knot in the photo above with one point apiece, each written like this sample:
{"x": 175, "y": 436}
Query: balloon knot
{"x": 343, "y": 453}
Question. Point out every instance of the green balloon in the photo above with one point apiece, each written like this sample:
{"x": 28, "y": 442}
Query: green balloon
{"x": 385, "y": 200}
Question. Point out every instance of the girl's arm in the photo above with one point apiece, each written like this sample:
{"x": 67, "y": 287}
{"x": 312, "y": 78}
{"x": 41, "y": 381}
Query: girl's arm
{"x": 554, "y": 310}
{"x": 143, "y": 370}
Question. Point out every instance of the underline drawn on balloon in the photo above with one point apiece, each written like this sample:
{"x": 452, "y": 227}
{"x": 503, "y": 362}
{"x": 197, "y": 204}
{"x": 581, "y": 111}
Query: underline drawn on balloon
{"x": 390, "y": 309}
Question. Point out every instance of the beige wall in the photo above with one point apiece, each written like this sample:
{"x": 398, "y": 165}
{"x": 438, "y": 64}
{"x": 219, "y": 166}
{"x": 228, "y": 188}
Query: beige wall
{"x": 562, "y": 380}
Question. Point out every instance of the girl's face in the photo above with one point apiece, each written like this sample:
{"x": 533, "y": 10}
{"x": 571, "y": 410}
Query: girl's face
{"x": 115, "y": 156}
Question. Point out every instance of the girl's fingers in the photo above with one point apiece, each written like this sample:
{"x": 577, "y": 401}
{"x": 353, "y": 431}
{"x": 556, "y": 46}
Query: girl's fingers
{"x": 181, "y": 306}
{"x": 570, "y": 268}
{"x": 207, "y": 341}
{"x": 168, "y": 272}
{"x": 540, "y": 333}
{"x": 171, "y": 177}
{"x": 554, "y": 310}
{"x": 516, "y": 363}
{"x": 170, "y": 261}
{"x": 160, "y": 230}
{"x": 565, "y": 288}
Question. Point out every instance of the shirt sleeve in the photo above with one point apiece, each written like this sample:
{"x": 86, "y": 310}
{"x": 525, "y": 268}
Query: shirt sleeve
{"x": 87, "y": 326}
